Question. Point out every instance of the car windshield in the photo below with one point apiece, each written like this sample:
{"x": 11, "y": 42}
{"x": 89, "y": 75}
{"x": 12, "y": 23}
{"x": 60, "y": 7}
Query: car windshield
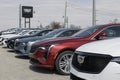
{"x": 10, "y": 30}
{"x": 87, "y": 32}
{"x": 23, "y": 32}
{"x": 33, "y": 32}
{"x": 53, "y": 33}
{"x": 37, "y": 32}
{"x": 18, "y": 31}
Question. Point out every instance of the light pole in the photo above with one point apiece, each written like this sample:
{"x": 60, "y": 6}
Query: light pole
{"x": 67, "y": 21}
{"x": 65, "y": 15}
{"x": 20, "y": 16}
{"x": 94, "y": 13}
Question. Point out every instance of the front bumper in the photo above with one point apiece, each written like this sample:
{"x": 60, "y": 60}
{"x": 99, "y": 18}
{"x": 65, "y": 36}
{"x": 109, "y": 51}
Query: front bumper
{"x": 39, "y": 59}
{"x": 4, "y": 42}
{"x": 10, "y": 44}
{"x": 36, "y": 62}
{"x": 110, "y": 72}
{"x": 19, "y": 54}
{"x": 23, "y": 50}
{"x": 20, "y": 48}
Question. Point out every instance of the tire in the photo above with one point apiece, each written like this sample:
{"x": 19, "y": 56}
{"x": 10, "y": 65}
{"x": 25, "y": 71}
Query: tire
{"x": 62, "y": 63}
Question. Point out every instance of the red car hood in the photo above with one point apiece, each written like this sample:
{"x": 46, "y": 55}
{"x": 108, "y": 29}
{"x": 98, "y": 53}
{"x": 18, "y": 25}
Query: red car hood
{"x": 59, "y": 40}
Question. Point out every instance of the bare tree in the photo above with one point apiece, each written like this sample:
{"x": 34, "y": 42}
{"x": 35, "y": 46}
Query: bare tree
{"x": 74, "y": 26}
{"x": 55, "y": 25}
{"x": 114, "y": 21}
{"x": 47, "y": 27}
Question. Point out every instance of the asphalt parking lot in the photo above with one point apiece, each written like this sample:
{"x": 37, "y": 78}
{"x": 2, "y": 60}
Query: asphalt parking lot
{"x": 19, "y": 68}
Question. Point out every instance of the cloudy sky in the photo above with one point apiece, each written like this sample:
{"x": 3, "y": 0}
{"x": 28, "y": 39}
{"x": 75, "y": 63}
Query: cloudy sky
{"x": 79, "y": 12}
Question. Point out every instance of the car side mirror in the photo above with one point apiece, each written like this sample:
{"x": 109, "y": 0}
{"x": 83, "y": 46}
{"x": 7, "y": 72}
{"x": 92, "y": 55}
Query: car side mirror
{"x": 102, "y": 35}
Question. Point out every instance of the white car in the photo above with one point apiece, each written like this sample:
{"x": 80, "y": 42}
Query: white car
{"x": 4, "y": 38}
{"x": 97, "y": 61}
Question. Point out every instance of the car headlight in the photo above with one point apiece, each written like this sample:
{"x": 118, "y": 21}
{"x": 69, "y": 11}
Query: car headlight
{"x": 23, "y": 44}
{"x": 44, "y": 48}
{"x": 116, "y": 59}
{"x": 48, "y": 47}
{"x": 1, "y": 38}
{"x": 13, "y": 40}
{"x": 17, "y": 40}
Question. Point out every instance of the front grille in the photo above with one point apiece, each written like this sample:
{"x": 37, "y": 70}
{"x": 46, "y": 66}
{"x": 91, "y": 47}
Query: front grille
{"x": 34, "y": 61}
{"x": 11, "y": 44}
{"x": 6, "y": 41}
{"x": 16, "y": 44}
{"x": 92, "y": 63}
{"x": 73, "y": 77}
{"x": 25, "y": 47}
{"x": 1, "y": 39}
{"x": 33, "y": 48}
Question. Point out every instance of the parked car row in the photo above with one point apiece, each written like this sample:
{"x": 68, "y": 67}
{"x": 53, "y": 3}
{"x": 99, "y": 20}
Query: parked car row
{"x": 11, "y": 31}
{"x": 57, "y": 53}
{"x": 17, "y": 32}
{"x": 56, "y": 50}
{"x": 11, "y": 41}
{"x": 20, "y": 43}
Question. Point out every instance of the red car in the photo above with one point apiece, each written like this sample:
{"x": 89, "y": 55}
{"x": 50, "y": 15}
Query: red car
{"x": 57, "y": 53}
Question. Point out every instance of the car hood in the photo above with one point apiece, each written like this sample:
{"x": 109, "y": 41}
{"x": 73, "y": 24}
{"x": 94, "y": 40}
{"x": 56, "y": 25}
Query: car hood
{"x": 9, "y": 35}
{"x": 107, "y": 47}
{"x": 57, "y": 40}
{"x": 20, "y": 37}
{"x": 34, "y": 38}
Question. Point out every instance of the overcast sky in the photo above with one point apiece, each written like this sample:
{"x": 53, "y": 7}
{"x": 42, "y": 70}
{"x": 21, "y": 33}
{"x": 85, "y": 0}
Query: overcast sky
{"x": 79, "y": 12}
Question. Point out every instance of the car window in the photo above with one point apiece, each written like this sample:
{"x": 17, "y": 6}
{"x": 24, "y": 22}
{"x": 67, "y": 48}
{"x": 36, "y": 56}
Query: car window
{"x": 32, "y": 32}
{"x": 68, "y": 33}
{"x": 113, "y": 31}
{"x": 53, "y": 33}
{"x": 43, "y": 33}
{"x": 87, "y": 32}
{"x": 23, "y": 32}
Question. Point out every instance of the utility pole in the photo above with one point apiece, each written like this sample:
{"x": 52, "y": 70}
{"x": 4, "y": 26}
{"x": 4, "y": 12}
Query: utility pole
{"x": 65, "y": 15}
{"x": 94, "y": 13}
{"x": 20, "y": 16}
{"x": 67, "y": 21}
